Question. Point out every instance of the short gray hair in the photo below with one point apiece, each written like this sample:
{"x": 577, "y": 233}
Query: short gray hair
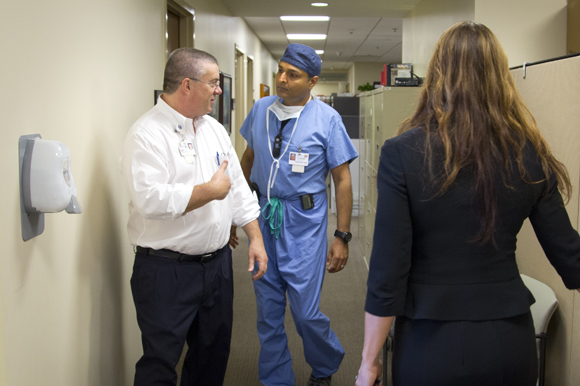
{"x": 184, "y": 63}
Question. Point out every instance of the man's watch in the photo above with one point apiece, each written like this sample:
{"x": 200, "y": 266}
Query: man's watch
{"x": 345, "y": 236}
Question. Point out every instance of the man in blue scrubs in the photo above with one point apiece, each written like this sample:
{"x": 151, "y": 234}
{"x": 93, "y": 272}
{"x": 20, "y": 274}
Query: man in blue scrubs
{"x": 294, "y": 140}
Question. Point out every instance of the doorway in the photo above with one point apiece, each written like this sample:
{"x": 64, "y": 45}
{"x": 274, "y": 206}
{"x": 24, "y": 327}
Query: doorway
{"x": 180, "y": 26}
{"x": 240, "y": 98}
{"x": 249, "y": 84}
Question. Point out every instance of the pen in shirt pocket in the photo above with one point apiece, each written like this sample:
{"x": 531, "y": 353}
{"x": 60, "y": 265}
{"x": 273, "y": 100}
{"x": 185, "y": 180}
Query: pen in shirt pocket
{"x": 220, "y": 157}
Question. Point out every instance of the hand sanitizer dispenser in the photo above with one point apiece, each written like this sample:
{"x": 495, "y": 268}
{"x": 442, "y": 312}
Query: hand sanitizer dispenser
{"x": 47, "y": 184}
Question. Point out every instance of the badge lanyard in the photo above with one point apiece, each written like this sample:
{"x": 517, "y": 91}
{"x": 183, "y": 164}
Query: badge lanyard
{"x": 278, "y": 139}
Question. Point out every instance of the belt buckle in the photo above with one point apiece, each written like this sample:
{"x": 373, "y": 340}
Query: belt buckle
{"x": 207, "y": 257}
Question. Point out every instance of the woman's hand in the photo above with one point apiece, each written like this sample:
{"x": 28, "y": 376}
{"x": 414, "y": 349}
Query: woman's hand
{"x": 376, "y": 330}
{"x": 368, "y": 373}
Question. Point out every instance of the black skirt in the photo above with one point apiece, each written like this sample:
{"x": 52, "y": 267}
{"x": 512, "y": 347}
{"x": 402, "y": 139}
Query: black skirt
{"x": 465, "y": 353}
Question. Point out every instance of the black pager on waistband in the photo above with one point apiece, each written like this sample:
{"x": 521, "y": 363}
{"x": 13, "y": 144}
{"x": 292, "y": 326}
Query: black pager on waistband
{"x": 307, "y": 201}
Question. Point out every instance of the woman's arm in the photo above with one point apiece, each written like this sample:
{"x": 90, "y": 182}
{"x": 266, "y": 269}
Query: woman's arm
{"x": 376, "y": 330}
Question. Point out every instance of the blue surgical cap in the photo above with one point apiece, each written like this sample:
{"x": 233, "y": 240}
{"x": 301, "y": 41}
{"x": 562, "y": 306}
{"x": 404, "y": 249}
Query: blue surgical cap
{"x": 304, "y": 58}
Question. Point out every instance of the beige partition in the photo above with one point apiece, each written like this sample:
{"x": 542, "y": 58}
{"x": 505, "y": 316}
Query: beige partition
{"x": 365, "y": 121}
{"x": 384, "y": 110}
{"x": 552, "y": 93}
{"x": 573, "y": 36}
{"x": 361, "y": 172}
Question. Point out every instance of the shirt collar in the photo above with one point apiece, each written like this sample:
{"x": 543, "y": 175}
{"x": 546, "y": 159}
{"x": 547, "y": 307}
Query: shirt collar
{"x": 174, "y": 115}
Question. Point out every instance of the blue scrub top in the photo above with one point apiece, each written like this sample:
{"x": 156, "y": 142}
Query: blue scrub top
{"x": 320, "y": 133}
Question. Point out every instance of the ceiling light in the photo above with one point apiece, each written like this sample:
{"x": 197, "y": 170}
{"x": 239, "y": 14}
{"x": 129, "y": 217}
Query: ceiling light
{"x": 319, "y": 4}
{"x": 319, "y": 52}
{"x": 306, "y": 36}
{"x": 305, "y": 18}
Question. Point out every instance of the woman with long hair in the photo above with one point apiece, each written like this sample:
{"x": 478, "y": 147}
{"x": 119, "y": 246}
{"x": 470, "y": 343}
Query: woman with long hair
{"x": 454, "y": 188}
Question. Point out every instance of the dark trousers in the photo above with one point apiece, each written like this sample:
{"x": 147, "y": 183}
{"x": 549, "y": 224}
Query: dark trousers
{"x": 465, "y": 353}
{"x": 178, "y": 302}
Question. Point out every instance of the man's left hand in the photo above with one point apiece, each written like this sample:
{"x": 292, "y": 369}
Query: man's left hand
{"x": 337, "y": 256}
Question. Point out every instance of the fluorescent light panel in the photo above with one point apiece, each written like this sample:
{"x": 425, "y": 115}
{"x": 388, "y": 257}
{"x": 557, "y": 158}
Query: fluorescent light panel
{"x": 305, "y": 18}
{"x": 319, "y": 4}
{"x": 319, "y": 52}
{"x": 306, "y": 36}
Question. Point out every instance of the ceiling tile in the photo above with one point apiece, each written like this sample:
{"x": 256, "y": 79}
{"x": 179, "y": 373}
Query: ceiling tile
{"x": 305, "y": 27}
{"x": 393, "y": 56}
{"x": 343, "y": 8}
{"x": 377, "y": 46}
{"x": 369, "y": 30}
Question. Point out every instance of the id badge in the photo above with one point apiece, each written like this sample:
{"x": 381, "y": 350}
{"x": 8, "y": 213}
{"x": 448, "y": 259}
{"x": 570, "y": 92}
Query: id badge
{"x": 186, "y": 150}
{"x": 298, "y": 161}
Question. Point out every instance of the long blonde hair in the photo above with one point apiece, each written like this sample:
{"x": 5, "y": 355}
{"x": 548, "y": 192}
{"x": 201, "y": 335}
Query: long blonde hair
{"x": 470, "y": 107}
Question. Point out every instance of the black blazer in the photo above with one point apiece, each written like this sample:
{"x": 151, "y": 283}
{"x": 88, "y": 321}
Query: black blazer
{"x": 423, "y": 264}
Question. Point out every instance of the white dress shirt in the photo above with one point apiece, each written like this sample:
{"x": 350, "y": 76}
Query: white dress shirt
{"x": 160, "y": 182}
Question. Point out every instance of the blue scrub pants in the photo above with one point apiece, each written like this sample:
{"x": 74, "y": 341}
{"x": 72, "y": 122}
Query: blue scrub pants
{"x": 296, "y": 267}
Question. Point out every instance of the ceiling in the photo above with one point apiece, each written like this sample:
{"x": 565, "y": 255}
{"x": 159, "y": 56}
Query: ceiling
{"x": 358, "y": 31}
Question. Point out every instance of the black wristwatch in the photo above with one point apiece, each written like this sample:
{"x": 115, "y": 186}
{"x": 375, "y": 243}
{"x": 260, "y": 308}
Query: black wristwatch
{"x": 345, "y": 236}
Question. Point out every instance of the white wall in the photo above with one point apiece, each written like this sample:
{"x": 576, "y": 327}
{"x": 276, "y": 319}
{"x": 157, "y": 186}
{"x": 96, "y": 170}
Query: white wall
{"x": 82, "y": 72}
{"x": 216, "y": 31}
{"x": 325, "y": 88}
{"x": 351, "y": 85}
{"x": 529, "y": 30}
{"x": 365, "y": 72}
{"x": 425, "y": 24}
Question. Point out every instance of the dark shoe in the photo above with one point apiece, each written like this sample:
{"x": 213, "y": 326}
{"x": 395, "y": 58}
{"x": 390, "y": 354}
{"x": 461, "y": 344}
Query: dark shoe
{"x": 318, "y": 381}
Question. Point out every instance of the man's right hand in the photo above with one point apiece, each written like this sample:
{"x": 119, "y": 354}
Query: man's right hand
{"x": 221, "y": 183}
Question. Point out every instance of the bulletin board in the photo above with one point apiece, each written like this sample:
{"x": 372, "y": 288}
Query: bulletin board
{"x": 222, "y": 109}
{"x": 225, "y": 101}
{"x": 264, "y": 90}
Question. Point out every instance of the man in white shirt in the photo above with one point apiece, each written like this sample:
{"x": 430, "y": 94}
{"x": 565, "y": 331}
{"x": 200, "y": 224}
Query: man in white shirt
{"x": 187, "y": 189}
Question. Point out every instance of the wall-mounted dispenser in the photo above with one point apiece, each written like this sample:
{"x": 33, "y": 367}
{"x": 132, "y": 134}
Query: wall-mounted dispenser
{"x": 46, "y": 182}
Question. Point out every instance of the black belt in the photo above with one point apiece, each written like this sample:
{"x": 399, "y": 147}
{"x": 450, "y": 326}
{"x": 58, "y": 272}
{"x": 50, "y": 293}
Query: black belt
{"x": 169, "y": 254}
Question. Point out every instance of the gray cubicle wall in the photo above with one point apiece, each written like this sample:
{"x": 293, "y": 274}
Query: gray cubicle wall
{"x": 348, "y": 108}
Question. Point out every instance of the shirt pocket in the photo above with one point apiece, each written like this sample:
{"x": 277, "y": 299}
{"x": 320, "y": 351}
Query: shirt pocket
{"x": 312, "y": 179}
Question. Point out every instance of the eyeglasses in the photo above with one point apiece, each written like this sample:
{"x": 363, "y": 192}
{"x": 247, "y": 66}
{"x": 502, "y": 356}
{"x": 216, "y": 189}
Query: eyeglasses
{"x": 215, "y": 84}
